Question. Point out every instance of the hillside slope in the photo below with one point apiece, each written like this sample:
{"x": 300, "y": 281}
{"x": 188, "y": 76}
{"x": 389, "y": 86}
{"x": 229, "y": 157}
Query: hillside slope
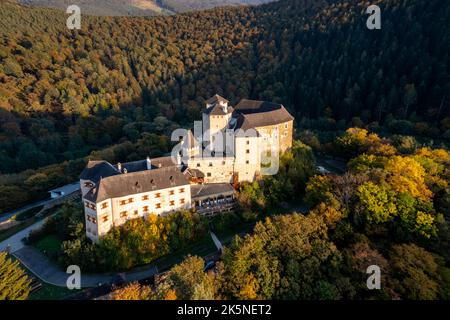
{"x": 138, "y": 7}
{"x": 65, "y": 93}
{"x": 105, "y": 7}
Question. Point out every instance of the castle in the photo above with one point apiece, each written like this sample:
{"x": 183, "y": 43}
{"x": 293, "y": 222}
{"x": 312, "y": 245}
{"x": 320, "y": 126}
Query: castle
{"x": 230, "y": 145}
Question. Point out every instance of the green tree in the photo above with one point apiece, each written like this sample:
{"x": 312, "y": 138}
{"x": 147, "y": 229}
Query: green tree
{"x": 378, "y": 202}
{"x": 414, "y": 272}
{"x": 188, "y": 281}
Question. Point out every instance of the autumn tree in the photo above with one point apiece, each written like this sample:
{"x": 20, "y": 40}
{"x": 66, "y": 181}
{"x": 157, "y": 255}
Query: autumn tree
{"x": 188, "y": 281}
{"x": 132, "y": 291}
{"x": 415, "y": 272}
{"x": 285, "y": 258}
{"x": 14, "y": 282}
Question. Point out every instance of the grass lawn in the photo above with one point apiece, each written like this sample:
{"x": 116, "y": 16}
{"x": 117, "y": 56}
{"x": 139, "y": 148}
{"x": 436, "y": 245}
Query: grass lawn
{"x": 28, "y": 213}
{"x": 51, "y": 292}
{"x": 5, "y": 234}
{"x": 50, "y": 245}
{"x": 225, "y": 236}
{"x": 47, "y": 291}
{"x": 203, "y": 247}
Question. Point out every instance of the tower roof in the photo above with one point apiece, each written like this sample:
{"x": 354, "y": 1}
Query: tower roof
{"x": 253, "y": 114}
{"x": 216, "y": 98}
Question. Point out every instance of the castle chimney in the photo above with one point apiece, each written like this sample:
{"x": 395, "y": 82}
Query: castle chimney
{"x": 149, "y": 164}
{"x": 119, "y": 166}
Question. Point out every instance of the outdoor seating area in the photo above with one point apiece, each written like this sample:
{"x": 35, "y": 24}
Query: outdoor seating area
{"x": 214, "y": 198}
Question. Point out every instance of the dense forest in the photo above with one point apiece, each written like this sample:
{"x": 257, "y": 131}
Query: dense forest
{"x": 104, "y": 7}
{"x": 390, "y": 209}
{"x": 139, "y": 7}
{"x": 66, "y": 93}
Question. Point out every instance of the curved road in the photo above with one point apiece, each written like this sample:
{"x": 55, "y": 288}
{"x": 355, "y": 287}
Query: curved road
{"x": 48, "y": 272}
{"x": 15, "y": 242}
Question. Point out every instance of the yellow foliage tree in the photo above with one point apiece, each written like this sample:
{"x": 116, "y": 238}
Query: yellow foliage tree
{"x": 133, "y": 291}
{"x": 407, "y": 175}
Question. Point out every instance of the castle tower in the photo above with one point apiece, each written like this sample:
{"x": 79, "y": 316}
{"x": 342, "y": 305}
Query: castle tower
{"x": 216, "y": 118}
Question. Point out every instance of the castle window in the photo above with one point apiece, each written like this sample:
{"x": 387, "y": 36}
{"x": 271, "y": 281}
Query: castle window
{"x": 182, "y": 201}
{"x": 210, "y": 164}
{"x": 130, "y": 200}
{"x": 136, "y": 212}
{"x": 86, "y": 204}
{"x": 171, "y": 192}
{"x": 145, "y": 197}
{"x": 223, "y": 163}
{"x": 247, "y": 162}
{"x": 247, "y": 151}
{"x": 104, "y": 205}
{"x": 145, "y": 209}
{"x": 94, "y": 220}
{"x": 172, "y": 202}
{"x": 123, "y": 214}
{"x": 182, "y": 190}
{"x": 208, "y": 174}
{"x": 198, "y": 165}
{"x": 158, "y": 195}
{"x": 93, "y": 206}
{"x": 105, "y": 218}
{"x": 248, "y": 142}
{"x": 285, "y": 125}
{"x": 122, "y": 202}
{"x": 158, "y": 206}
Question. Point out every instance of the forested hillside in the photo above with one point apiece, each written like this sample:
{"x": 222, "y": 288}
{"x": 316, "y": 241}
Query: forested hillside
{"x": 104, "y": 7}
{"x": 190, "y": 5}
{"x": 139, "y": 7}
{"x": 64, "y": 93}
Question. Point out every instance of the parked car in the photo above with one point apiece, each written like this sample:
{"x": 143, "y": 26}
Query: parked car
{"x": 209, "y": 265}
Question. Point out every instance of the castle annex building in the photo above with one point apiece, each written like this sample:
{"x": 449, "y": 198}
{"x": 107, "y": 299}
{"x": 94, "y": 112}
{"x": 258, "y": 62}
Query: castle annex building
{"x": 231, "y": 147}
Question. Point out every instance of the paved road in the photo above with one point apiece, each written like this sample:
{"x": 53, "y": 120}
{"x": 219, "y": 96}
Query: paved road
{"x": 15, "y": 242}
{"x": 8, "y": 215}
{"x": 69, "y": 188}
{"x": 48, "y": 272}
{"x": 216, "y": 241}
